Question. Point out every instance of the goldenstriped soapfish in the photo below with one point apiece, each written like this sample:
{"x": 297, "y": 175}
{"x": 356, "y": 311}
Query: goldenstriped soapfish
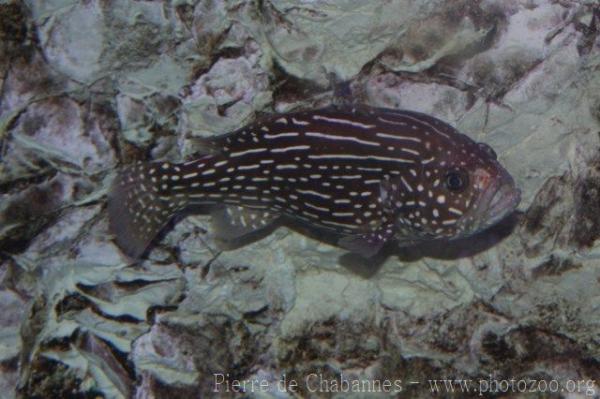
{"x": 367, "y": 174}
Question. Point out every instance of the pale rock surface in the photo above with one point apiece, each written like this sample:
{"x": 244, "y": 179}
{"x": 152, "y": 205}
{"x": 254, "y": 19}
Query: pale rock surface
{"x": 87, "y": 86}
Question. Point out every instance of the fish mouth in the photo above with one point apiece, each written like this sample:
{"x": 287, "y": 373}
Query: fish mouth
{"x": 497, "y": 201}
{"x": 503, "y": 202}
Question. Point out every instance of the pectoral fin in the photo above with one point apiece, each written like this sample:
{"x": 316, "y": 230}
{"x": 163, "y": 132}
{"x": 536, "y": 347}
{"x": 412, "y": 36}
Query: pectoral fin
{"x": 388, "y": 191}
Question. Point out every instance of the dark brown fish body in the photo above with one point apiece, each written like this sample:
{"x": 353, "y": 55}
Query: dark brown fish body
{"x": 367, "y": 173}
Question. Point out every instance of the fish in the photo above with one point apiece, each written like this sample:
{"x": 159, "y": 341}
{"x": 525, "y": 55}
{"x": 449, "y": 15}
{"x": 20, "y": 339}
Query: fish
{"x": 367, "y": 175}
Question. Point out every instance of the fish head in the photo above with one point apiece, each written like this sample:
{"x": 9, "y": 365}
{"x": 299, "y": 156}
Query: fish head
{"x": 462, "y": 190}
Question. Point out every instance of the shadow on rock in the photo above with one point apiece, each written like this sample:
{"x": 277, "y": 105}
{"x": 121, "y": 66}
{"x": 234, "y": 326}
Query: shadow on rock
{"x": 438, "y": 249}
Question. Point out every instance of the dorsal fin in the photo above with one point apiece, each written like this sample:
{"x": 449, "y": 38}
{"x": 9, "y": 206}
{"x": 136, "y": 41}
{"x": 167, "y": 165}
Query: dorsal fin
{"x": 204, "y": 146}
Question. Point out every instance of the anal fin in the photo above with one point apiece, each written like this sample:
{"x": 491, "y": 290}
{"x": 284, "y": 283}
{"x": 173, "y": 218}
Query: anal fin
{"x": 233, "y": 222}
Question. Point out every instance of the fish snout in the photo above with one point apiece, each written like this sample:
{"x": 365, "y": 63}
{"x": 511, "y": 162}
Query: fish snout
{"x": 498, "y": 197}
{"x": 504, "y": 198}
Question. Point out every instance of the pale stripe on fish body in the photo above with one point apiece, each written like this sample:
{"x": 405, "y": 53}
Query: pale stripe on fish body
{"x": 368, "y": 174}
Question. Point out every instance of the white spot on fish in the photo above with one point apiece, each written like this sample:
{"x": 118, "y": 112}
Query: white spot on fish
{"x": 286, "y": 166}
{"x": 248, "y": 167}
{"x": 292, "y": 148}
{"x": 455, "y": 211}
{"x": 300, "y": 122}
{"x": 361, "y": 157}
{"x": 342, "y": 138}
{"x": 343, "y": 121}
{"x": 245, "y": 152}
{"x": 276, "y": 136}
{"x": 312, "y": 192}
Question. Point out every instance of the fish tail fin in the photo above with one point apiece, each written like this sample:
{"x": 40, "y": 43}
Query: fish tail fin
{"x": 139, "y": 208}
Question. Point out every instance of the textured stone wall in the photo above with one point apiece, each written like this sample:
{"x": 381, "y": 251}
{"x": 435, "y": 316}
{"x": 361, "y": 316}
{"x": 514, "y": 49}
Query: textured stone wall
{"x": 90, "y": 85}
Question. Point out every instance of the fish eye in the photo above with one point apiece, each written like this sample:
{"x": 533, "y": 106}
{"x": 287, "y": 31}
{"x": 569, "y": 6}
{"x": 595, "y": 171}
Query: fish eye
{"x": 456, "y": 180}
{"x": 488, "y": 150}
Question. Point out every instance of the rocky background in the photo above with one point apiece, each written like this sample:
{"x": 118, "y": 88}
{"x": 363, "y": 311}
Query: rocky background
{"x": 89, "y": 85}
